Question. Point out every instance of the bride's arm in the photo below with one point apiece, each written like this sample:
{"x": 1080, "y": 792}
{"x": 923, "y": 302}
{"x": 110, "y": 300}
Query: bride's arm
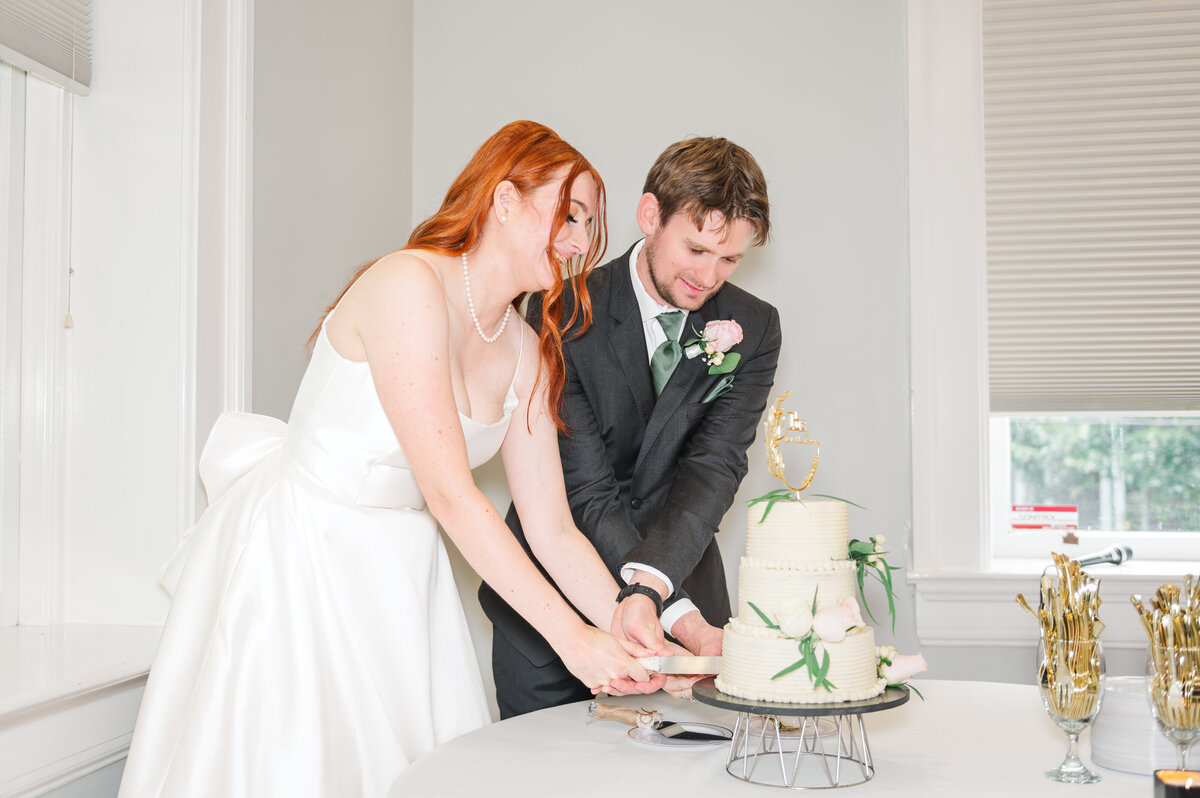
{"x": 399, "y": 313}
{"x": 535, "y": 479}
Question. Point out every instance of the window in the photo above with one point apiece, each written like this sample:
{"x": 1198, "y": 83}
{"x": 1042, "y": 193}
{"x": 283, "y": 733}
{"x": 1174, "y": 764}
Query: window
{"x": 1099, "y": 480}
{"x": 35, "y": 149}
{"x": 45, "y": 57}
{"x": 964, "y": 594}
{"x": 1092, "y": 174}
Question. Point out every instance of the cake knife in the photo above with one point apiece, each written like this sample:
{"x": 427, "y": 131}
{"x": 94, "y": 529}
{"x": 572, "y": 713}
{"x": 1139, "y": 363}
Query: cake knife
{"x": 681, "y": 664}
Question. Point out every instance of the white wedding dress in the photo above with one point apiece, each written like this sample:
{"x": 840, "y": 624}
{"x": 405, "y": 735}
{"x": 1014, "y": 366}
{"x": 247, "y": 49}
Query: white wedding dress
{"x": 316, "y": 643}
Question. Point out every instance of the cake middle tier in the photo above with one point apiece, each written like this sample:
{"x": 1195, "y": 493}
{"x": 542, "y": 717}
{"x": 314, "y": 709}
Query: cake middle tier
{"x": 772, "y": 583}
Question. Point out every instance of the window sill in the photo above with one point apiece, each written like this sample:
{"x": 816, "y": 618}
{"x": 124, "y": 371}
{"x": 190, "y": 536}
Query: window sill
{"x": 979, "y": 608}
{"x": 69, "y": 696}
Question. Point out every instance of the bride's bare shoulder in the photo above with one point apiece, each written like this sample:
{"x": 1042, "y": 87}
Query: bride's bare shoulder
{"x": 406, "y": 270}
{"x": 404, "y": 280}
{"x": 399, "y": 290}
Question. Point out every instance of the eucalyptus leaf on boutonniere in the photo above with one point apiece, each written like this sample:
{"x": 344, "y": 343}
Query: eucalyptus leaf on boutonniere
{"x": 714, "y": 343}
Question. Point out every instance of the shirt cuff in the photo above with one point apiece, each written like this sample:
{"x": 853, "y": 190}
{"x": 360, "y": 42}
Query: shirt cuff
{"x": 675, "y": 612}
{"x": 627, "y": 573}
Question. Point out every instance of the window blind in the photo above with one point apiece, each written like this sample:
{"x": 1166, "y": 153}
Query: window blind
{"x": 1092, "y": 148}
{"x": 50, "y": 39}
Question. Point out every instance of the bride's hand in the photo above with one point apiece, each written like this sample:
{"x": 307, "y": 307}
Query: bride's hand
{"x": 598, "y": 659}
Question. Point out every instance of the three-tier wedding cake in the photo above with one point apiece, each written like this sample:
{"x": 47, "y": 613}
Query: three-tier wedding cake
{"x": 798, "y": 636}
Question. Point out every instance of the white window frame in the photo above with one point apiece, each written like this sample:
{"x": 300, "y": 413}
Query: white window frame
{"x": 963, "y": 595}
{"x": 31, "y": 537}
{"x": 12, "y": 170}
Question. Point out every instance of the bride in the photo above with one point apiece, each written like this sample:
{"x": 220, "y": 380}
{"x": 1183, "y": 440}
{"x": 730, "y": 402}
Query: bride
{"x": 316, "y": 643}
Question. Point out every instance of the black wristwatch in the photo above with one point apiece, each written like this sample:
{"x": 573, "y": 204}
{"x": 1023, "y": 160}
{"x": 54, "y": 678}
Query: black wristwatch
{"x": 629, "y": 590}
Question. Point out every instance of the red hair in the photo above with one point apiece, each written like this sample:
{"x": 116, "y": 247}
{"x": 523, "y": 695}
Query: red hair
{"x": 528, "y": 155}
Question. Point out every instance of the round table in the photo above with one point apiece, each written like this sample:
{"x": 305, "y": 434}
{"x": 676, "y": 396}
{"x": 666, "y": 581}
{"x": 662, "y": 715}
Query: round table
{"x": 965, "y": 738}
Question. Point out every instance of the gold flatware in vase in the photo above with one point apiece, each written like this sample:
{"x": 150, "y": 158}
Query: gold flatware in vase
{"x": 1071, "y": 667}
{"x": 1172, "y": 624}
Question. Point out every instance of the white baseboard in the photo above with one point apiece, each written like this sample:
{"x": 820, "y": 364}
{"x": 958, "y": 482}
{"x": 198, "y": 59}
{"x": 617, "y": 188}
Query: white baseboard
{"x": 69, "y": 698}
{"x": 55, "y": 745}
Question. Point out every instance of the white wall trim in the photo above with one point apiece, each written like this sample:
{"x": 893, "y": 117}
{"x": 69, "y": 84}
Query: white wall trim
{"x": 43, "y": 353}
{"x": 948, "y": 285}
{"x": 239, "y": 202}
{"x": 12, "y": 231}
{"x": 981, "y": 609}
{"x": 218, "y": 180}
{"x": 62, "y": 741}
{"x": 189, "y": 237}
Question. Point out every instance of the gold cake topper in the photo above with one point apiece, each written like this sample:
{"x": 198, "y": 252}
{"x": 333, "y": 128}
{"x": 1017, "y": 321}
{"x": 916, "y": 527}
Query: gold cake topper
{"x": 778, "y": 424}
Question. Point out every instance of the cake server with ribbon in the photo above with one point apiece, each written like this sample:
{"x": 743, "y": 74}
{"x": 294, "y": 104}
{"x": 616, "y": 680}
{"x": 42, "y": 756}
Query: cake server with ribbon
{"x": 650, "y": 724}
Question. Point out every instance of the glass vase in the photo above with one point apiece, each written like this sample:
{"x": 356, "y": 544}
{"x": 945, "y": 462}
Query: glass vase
{"x": 1071, "y": 684}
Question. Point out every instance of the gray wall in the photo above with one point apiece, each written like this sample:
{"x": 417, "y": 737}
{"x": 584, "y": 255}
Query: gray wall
{"x": 332, "y": 167}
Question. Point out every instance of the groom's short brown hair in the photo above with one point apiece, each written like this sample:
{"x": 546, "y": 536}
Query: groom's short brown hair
{"x": 697, "y": 176}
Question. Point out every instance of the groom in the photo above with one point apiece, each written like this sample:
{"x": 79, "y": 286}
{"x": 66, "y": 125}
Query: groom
{"x": 657, "y": 441}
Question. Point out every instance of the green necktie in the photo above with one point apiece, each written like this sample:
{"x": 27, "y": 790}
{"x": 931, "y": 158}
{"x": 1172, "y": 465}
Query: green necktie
{"x": 669, "y": 352}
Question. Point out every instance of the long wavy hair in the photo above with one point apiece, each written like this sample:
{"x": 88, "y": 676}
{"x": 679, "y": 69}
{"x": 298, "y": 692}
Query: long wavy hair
{"x": 528, "y": 155}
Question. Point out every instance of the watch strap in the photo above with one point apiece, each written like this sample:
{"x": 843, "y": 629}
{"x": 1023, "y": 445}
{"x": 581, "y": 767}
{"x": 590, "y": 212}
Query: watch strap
{"x": 630, "y": 589}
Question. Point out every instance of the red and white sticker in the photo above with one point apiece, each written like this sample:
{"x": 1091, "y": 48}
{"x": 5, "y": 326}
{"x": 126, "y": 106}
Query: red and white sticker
{"x": 1045, "y": 516}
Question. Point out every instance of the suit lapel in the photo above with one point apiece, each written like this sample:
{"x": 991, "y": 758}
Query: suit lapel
{"x": 627, "y": 339}
{"x": 679, "y": 387}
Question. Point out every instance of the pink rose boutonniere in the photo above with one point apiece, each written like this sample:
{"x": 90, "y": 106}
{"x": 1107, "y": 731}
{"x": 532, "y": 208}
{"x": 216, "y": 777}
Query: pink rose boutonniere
{"x": 714, "y": 344}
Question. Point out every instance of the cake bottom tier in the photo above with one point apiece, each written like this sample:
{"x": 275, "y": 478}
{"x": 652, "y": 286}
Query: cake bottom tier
{"x": 752, "y": 655}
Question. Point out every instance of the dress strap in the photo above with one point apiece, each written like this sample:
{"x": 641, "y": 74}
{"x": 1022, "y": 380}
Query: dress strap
{"x": 520, "y": 356}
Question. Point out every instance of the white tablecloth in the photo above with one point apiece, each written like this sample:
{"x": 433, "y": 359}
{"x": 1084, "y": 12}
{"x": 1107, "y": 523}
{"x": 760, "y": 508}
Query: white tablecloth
{"x": 965, "y": 738}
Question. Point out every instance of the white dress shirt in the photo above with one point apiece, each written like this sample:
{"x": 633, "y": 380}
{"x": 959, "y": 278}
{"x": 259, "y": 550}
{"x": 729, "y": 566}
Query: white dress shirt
{"x": 650, "y": 309}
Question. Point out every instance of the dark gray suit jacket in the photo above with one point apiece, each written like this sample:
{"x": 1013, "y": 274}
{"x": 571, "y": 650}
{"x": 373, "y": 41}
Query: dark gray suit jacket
{"x": 649, "y": 480}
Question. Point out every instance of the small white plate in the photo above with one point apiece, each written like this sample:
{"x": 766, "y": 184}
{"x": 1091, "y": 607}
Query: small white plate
{"x": 651, "y": 737}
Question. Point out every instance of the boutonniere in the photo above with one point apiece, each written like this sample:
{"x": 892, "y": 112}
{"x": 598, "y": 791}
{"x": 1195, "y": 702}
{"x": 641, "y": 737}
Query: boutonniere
{"x": 714, "y": 344}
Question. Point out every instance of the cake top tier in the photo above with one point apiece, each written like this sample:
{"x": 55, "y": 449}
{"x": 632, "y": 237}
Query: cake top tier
{"x": 810, "y": 530}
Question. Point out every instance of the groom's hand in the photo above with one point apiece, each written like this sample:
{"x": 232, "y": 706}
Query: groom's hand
{"x": 636, "y": 617}
{"x": 697, "y": 635}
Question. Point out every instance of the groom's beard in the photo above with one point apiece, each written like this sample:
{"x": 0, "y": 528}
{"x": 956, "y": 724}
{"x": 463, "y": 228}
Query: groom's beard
{"x": 666, "y": 288}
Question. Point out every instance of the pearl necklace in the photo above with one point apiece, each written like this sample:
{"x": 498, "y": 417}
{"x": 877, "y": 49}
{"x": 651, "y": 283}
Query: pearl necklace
{"x": 471, "y": 307}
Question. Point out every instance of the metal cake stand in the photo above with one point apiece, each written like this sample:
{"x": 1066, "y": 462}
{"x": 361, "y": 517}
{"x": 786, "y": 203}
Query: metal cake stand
{"x": 766, "y": 761}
